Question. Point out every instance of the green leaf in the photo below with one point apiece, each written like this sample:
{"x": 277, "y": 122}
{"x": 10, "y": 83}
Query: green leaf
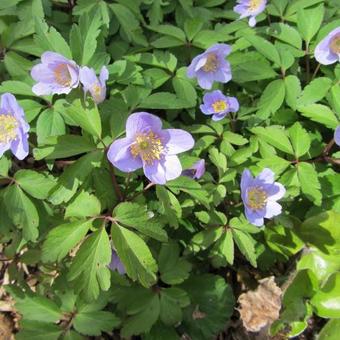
{"x": 62, "y": 239}
{"x": 136, "y": 216}
{"x": 249, "y": 67}
{"x": 330, "y": 331}
{"x": 135, "y": 255}
{"x": 172, "y": 300}
{"x": 94, "y": 323}
{"x": 300, "y": 139}
{"x": 50, "y": 123}
{"x": 264, "y": 47}
{"x": 49, "y": 39}
{"x": 83, "y": 37}
{"x": 169, "y": 30}
{"x": 227, "y": 246}
{"x": 326, "y": 301}
{"x": 22, "y": 212}
{"x": 86, "y": 116}
{"x": 271, "y": 99}
{"x": 309, "y": 21}
{"x": 276, "y": 137}
{"x": 212, "y": 304}
{"x": 320, "y": 114}
{"x": 246, "y": 245}
{"x": 309, "y": 182}
{"x": 38, "y": 308}
{"x": 16, "y": 65}
{"x": 293, "y": 90}
{"x": 173, "y": 268}
{"x": 164, "y": 100}
{"x": 314, "y": 91}
{"x": 84, "y": 205}
{"x": 74, "y": 175}
{"x": 35, "y": 330}
{"x": 142, "y": 321}
{"x": 63, "y": 147}
{"x": 129, "y": 24}
{"x": 322, "y": 232}
{"x": 34, "y": 183}
{"x": 16, "y": 87}
{"x": 89, "y": 267}
{"x": 320, "y": 264}
{"x": 287, "y": 34}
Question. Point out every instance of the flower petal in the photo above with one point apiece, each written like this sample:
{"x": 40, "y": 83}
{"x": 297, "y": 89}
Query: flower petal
{"x": 120, "y": 156}
{"x": 142, "y": 122}
{"x": 267, "y": 176}
{"x": 19, "y": 146}
{"x": 87, "y": 77}
{"x": 337, "y": 135}
{"x": 253, "y": 217}
{"x": 177, "y": 141}
{"x": 273, "y": 209}
{"x": 50, "y": 57}
{"x": 172, "y": 167}
{"x": 155, "y": 172}
{"x": 276, "y": 192}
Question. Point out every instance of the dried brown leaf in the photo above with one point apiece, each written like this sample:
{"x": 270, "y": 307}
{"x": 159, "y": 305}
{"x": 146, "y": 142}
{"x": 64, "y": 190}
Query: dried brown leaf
{"x": 261, "y": 307}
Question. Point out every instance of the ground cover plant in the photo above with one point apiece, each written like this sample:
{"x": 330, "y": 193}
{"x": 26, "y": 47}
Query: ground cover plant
{"x": 169, "y": 169}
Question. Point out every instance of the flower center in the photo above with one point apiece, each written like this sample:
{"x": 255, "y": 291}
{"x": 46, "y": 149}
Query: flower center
{"x": 8, "y": 128}
{"x": 211, "y": 63}
{"x": 220, "y": 106}
{"x": 257, "y": 198}
{"x": 335, "y": 44}
{"x": 62, "y": 75}
{"x": 254, "y": 4}
{"x": 148, "y": 146}
{"x": 96, "y": 90}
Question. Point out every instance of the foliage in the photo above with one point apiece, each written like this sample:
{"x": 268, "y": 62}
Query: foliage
{"x": 187, "y": 247}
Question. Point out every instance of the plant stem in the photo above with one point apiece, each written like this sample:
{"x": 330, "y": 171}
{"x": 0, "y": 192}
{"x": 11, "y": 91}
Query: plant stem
{"x": 115, "y": 183}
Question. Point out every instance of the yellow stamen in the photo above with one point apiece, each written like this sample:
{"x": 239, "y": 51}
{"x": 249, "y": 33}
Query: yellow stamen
{"x": 8, "y": 128}
{"x": 211, "y": 63}
{"x": 220, "y": 106}
{"x": 148, "y": 146}
{"x": 96, "y": 90}
{"x": 335, "y": 44}
{"x": 62, "y": 75}
{"x": 254, "y": 4}
{"x": 256, "y": 198}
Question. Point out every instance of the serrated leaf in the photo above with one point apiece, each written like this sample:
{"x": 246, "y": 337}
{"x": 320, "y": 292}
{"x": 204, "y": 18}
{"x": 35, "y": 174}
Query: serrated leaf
{"x": 309, "y": 181}
{"x": 86, "y": 116}
{"x": 50, "y": 123}
{"x": 293, "y": 90}
{"x": 309, "y": 21}
{"x": 62, "y": 239}
{"x": 276, "y": 137}
{"x": 272, "y": 98}
{"x": 320, "y": 114}
{"x": 49, "y": 39}
{"x": 265, "y": 47}
{"x": 173, "y": 268}
{"x": 300, "y": 139}
{"x": 38, "y": 308}
{"x": 22, "y": 212}
{"x": 94, "y": 323}
{"x": 246, "y": 245}
{"x": 314, "y": 91}
{"x": 89, "y": 267}
{"x": 135, "y": 255}
{"x": 38, "y": 185}
{"x": 136, "y": 216}
{"x": 84, "y": 205}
